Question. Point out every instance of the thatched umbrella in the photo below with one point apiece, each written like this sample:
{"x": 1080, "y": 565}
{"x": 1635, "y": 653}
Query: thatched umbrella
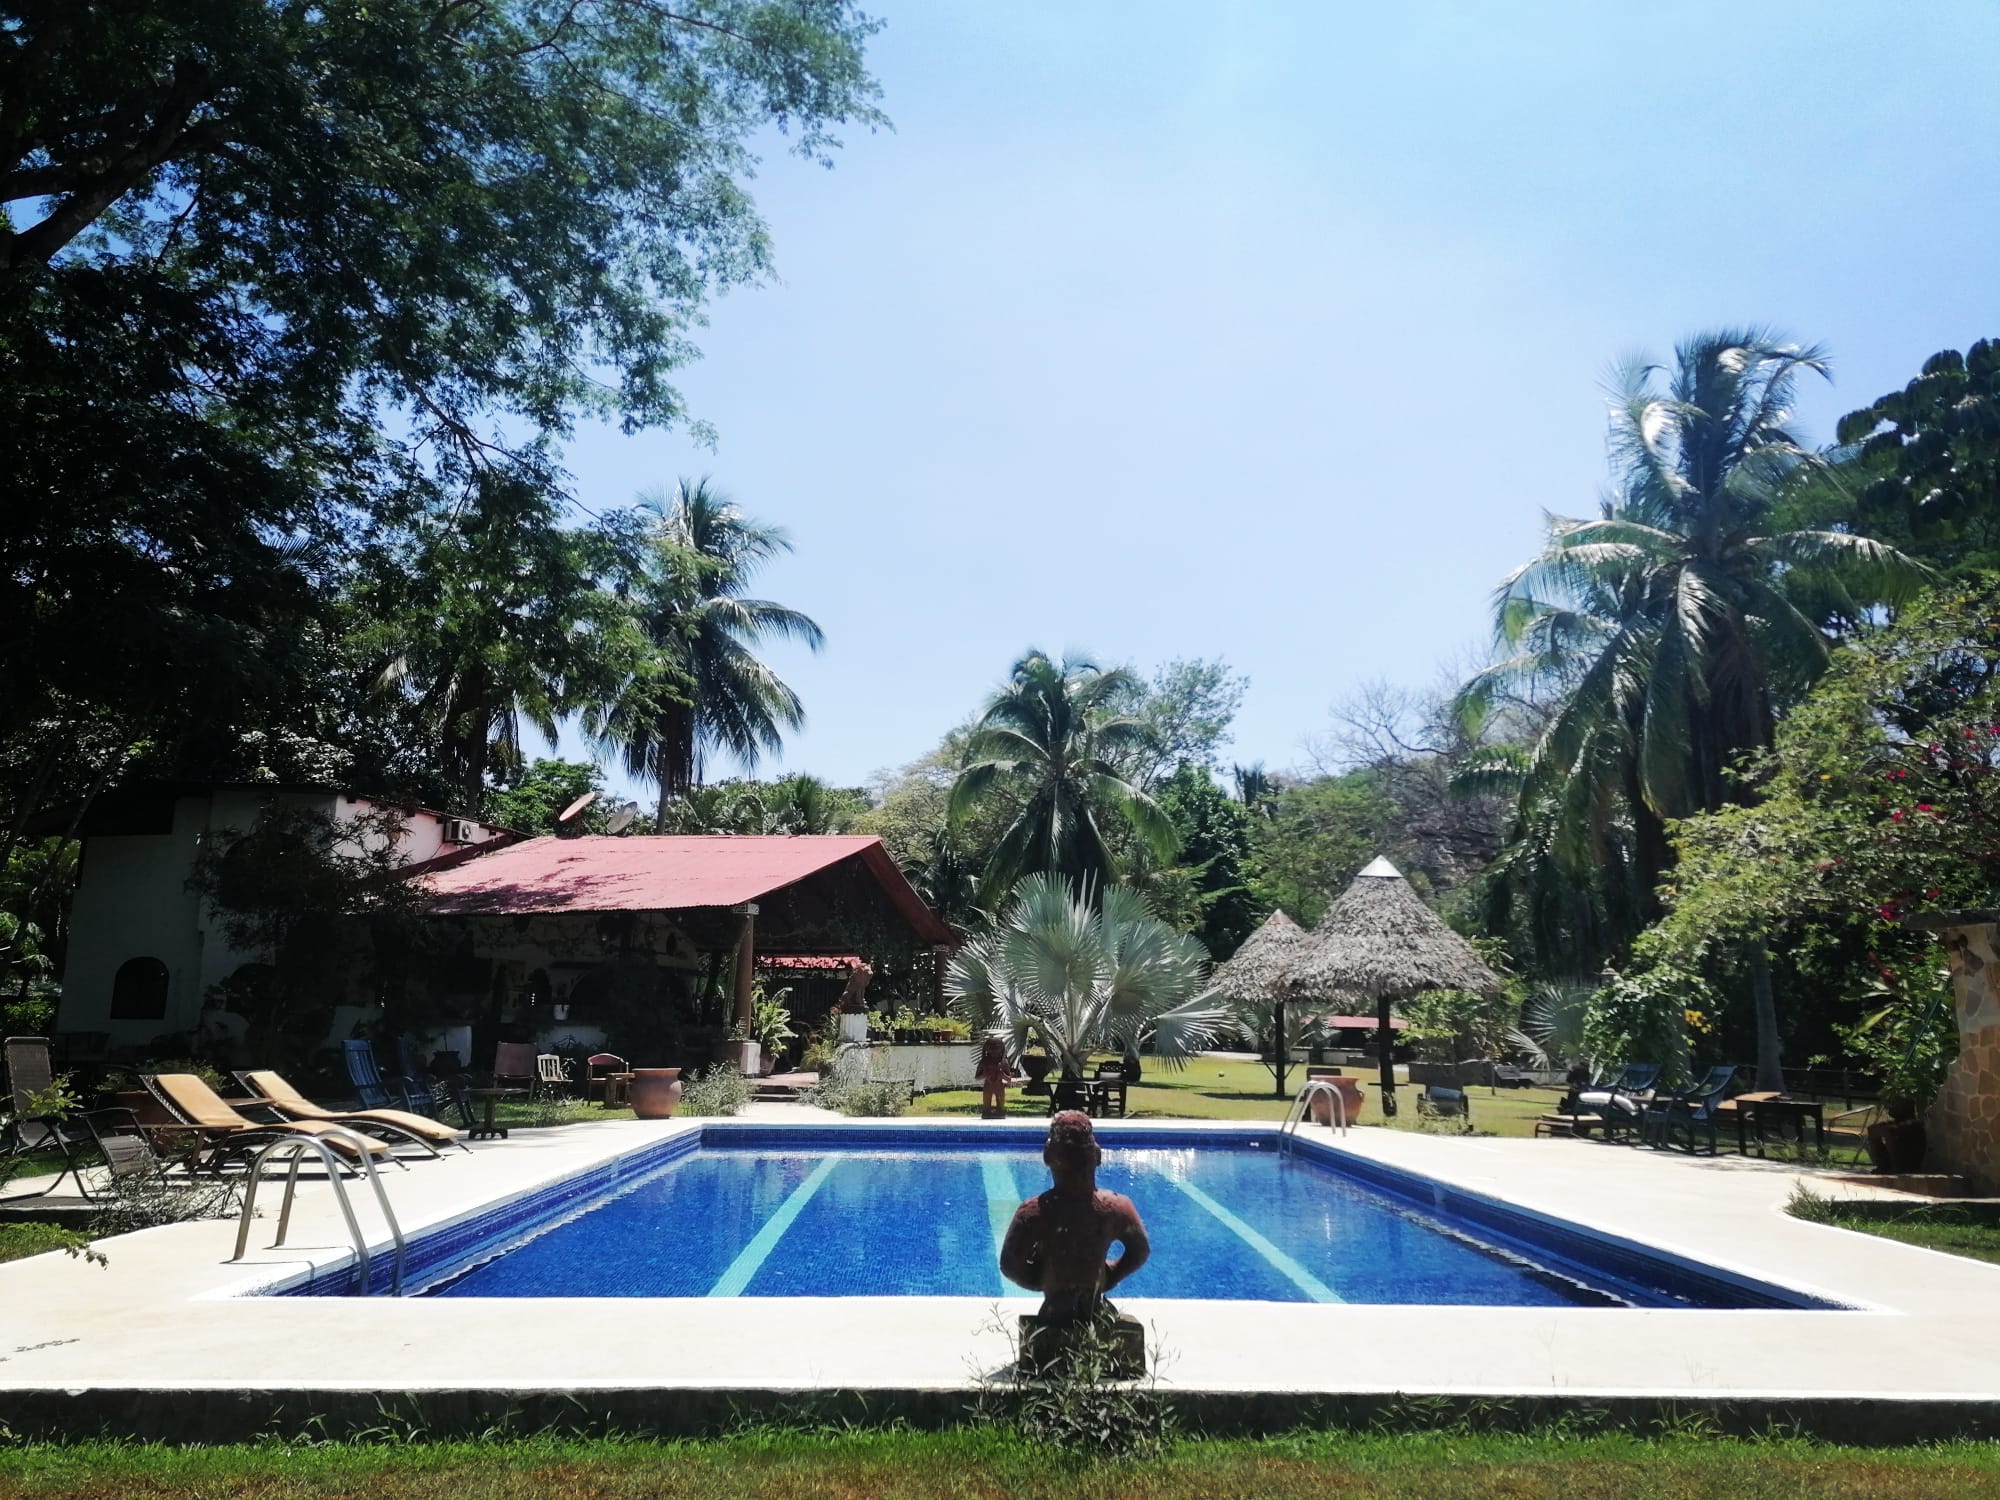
{"x": 1254, "y": 976}
{"x": 1380, "y": 940}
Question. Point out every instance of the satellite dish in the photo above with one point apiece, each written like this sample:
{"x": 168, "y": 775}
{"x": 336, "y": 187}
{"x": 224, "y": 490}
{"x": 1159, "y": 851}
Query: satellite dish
{"x": 622, "y": 819}
{"x": 576, "y": 807}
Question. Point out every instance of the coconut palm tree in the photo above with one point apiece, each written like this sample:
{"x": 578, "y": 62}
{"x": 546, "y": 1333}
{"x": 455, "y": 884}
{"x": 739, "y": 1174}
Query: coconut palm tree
{"x": 1050, "y": 740}
{"x": 697, "y": 560}
{"x": 1081, "y": 978}
{"x": 1671, "y": 626}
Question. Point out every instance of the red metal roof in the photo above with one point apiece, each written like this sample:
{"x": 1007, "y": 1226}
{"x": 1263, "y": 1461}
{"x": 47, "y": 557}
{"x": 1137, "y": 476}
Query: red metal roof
{"x": 1359, "y": 1023}
{"x": 658, "y": 873}
{"x": 842, "y": 961}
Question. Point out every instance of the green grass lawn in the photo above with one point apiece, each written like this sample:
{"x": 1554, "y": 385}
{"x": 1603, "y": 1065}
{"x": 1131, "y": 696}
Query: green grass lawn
{"x": 993, "y": 1462}
{"x": 1971, "y": 1230}
{"x": 1215, "y": 1088}
{"x": 19, "y": 1241}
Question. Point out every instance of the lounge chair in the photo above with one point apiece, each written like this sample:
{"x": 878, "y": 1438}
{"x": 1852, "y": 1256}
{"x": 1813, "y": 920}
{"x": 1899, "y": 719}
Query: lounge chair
{"x": 378, "y": 1090}
{"x": 225, "y": 1132}
{"x": 1619, "y": 1101}
{"x": 1691, "y": 1111}
{"x": 1444, "y": 1103}
{"x": 390, "y": 1124}
{"x": 29, "y": 1072}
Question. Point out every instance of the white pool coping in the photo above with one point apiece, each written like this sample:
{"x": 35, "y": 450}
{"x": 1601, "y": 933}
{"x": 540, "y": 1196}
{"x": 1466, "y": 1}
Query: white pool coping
{"x": 166, "y": 1314}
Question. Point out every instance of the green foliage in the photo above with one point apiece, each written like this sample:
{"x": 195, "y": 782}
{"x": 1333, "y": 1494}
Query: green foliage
{"x": 532, "y": 799}
{"x": 722, "y": 1090}
{"x": 1926, "y": 462}
{"x": 1646, "y": 1016}
{"x": 1908, "y": 1033}
{"x": 1459, "y": 1025}
{"x": 1081, "y": 1402}
{"x": 1312, "y": 840}
{"x": 863, "y": 1098}
{"x": 1214, "y": 833}
{"x": 1880, "y": 797}
{"x": 770, "y": 1019}
{"x": 1050, "y": 748}
{"x": 795, "y": 804}
{"x": 1079, "y": 981}
{"x": 276, "y": 279}
{"x": 1187, "y": 706}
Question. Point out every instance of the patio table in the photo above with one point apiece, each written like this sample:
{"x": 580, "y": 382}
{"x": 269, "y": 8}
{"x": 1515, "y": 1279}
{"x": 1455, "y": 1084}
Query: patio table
{"x": 1753, "y": 1112}
{"x": 488, "y": 1130}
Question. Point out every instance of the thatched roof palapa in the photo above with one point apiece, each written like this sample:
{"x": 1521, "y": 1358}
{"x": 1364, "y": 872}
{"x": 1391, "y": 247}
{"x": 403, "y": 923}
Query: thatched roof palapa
{"x": 1257, "y": 970}
{"x": 1381, "y": 941}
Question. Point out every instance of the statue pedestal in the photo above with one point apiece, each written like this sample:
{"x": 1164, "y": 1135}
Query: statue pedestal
{"x": 853, "y": 1028}
{"x": 1123, "y": 1338}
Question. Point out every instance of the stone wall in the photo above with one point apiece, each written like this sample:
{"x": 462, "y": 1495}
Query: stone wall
{"x": 1964, "y": 1122}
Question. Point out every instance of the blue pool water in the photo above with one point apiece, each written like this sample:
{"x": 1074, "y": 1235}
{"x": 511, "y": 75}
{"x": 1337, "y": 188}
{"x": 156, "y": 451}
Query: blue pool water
{"x": 744, "y": 1215}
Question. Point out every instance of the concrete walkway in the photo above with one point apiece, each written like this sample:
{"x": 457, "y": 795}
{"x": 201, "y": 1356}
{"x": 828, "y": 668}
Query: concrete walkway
{"x": 166, "y": 1313}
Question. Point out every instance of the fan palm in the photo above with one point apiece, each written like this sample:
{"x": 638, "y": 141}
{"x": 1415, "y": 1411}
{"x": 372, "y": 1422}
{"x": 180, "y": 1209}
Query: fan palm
{"x": 700, "y": 557}
{"x": 1050, "y": 739}
{"x": 1081, "y": 979}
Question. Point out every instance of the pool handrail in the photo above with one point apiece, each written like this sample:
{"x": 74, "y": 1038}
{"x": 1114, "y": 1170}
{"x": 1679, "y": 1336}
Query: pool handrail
{"x": 298, "y": 1146}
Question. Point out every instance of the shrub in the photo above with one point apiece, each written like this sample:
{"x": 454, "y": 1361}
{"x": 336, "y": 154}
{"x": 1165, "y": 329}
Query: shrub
{"x": 881, "y": 1100}
{"x": 1078, "y": 1403}
{"x": 722, "y": 1090}
{"x": 551, "y": 1109}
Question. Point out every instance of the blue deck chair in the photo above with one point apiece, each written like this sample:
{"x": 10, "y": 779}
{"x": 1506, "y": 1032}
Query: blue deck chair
{"x": 378, "y": 1090}
{"x": 1690, "y": 1112}
{"x": 1621, "y": 1100}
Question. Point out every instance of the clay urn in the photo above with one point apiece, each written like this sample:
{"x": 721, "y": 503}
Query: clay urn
{"x": 656, "y": 1092}
{"x": 1036, "y": 1065}
{"x": 1351, "y": 1098}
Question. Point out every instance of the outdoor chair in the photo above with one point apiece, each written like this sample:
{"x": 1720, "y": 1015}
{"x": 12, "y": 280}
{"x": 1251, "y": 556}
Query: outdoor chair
{"x": 391, "y": 1125}
{"x": 609, "y": 1076}
{"x": 1107, "y": 1092}
{"x": 1507, "y": 1076}
{"x": 29, "y": 1073}
{"x": 378, "y": 1090}
{"x": 1444, "y": 1103}
{"x": 1689, "y": 1112}
{"x": 1619, "y": 1101}
{"x": 513, "y": 1065}
{"x": 226, "y": 1133}
{"x": 551, "y": 1076}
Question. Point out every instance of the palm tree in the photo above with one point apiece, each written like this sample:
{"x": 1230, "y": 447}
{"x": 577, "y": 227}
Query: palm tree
{"x": 1671, "y": 626}
{"x": 700, "y": 557}
{"x": 1050, "y": 739}
{"x": 1083, "y": 979}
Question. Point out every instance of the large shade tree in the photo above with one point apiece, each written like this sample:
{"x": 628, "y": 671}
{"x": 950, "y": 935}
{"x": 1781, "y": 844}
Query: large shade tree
{"x": 1050, "y": 744}
{"x": 697, "y": 557}
{"x": 267, "y": 270}
{"x": 1676, "y": 623}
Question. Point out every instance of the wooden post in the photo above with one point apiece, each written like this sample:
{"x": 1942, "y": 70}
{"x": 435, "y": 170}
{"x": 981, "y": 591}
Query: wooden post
{"x": 1278, "y": 1048}
{"x": 1385, "y": 1038}
{"x": 746, "y": 964}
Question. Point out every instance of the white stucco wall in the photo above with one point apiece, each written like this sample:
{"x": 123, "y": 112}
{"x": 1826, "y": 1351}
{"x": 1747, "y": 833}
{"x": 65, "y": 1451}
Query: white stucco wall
{"x": 132, "y": 901}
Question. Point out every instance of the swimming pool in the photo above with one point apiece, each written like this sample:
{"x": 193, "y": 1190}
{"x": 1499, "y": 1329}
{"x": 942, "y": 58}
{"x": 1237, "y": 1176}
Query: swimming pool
{"x": 760, "y": 1211}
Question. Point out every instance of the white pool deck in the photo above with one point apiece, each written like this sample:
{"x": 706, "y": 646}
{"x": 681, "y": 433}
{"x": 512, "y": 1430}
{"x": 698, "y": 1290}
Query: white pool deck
{"x": 162, "y": 1316}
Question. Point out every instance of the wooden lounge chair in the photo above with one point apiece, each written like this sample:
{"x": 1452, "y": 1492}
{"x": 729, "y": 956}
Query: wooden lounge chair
{"x": 226, "y": 1133}
{"x": 391, "y": 1124}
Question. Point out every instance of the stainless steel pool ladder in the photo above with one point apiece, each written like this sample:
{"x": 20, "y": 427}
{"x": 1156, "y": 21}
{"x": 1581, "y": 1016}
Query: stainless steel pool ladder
{"x": 297, "y": 1146}
{"x": 1302, "y": 1105}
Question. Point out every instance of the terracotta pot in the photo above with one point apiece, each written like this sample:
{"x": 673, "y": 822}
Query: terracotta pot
{"x": 1897, "y": 1145}
{"x": 1035, "y": 1065}
{"x": 1351, "y": 1098}
{"x": 656, "y": 1092}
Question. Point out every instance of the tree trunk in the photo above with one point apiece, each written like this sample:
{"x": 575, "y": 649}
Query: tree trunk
{"x": 1770, "y": 1061}
{"x": 1278, "y": 1048}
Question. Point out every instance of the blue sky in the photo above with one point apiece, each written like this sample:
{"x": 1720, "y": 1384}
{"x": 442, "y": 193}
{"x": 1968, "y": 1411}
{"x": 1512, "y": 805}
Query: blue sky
{"x": 1269, "y": 331}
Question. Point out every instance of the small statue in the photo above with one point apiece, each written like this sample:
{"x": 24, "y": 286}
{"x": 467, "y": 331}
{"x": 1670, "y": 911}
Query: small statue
{"x": 854, "y": 999}
{"x": 993, "y": 1072}
{"x": 1058, "y": 1245}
